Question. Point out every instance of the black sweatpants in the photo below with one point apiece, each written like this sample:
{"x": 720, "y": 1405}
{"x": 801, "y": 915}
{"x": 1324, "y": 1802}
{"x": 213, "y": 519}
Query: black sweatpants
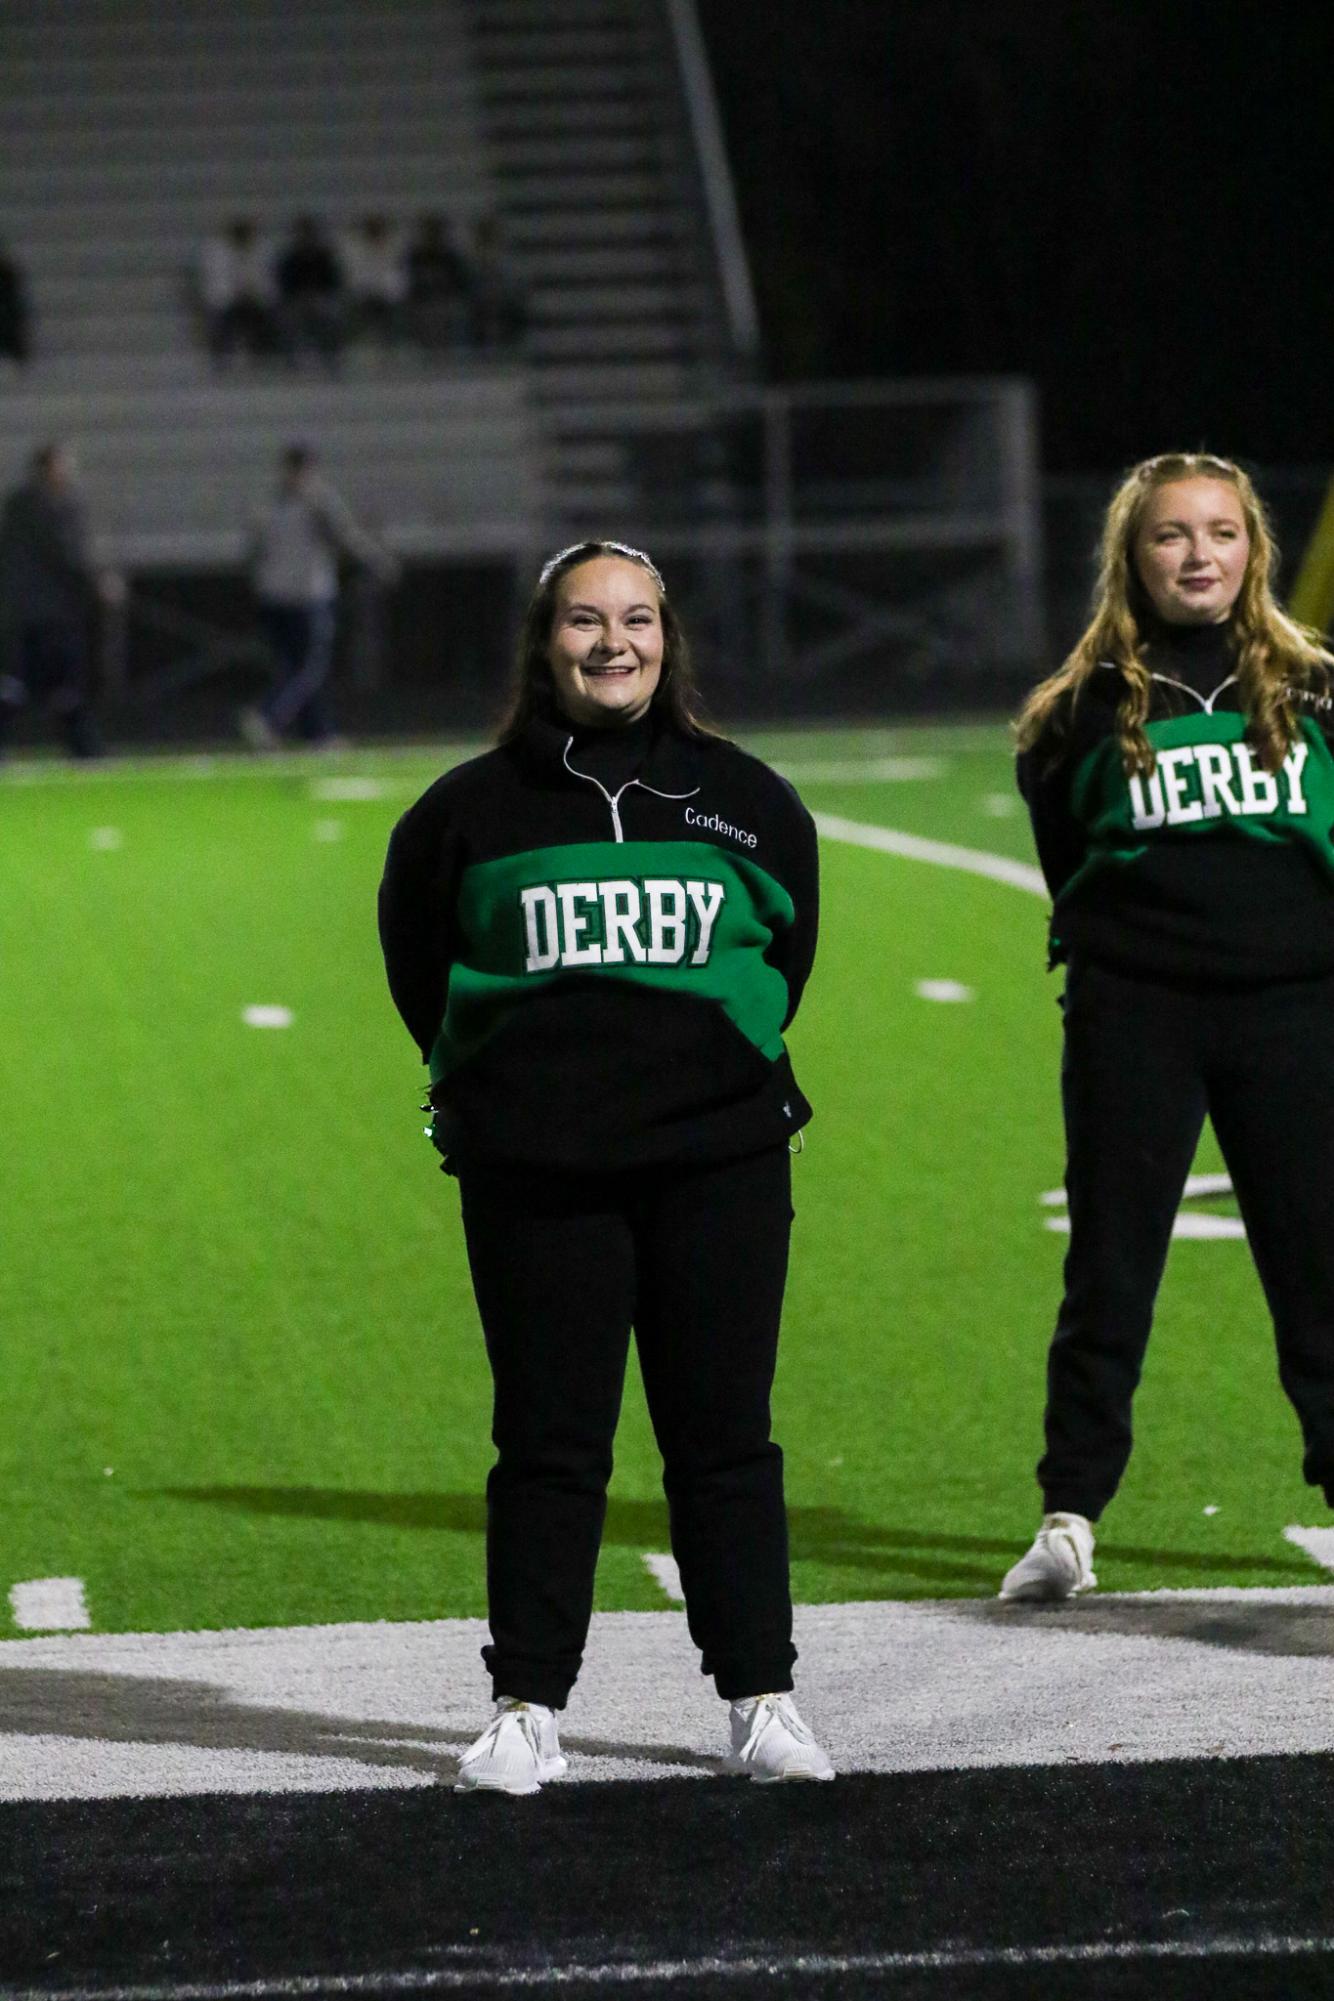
{"x": 50, "y": 668}
{"x": 563, "y": 1264}
{"x": 1144, "y": 1063}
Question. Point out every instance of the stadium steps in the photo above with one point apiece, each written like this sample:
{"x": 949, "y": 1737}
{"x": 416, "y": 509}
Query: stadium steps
{"x": 581, "y": 102}
{"x": 134, "y": 130}
{"x": 564, "y": 116}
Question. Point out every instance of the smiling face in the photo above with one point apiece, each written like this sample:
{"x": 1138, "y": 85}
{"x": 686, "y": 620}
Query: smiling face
{"x": 605, "y": 651}
{"x": 1191, "y": 549}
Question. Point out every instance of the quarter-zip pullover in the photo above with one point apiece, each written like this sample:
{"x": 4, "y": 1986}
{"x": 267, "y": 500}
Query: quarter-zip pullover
{"x": 1207, "y": 869}
{"x": 596, "y": 939}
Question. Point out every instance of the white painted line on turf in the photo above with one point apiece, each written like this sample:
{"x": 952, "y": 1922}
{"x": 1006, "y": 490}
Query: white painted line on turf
{"x": 328, "y": 830}
{"x": 1000, "y": 805}
{"x": 50, "y": 1605}
{"x": 261, "y": 1015}
{"x": 1317, "y": 1543}
{"x": 663, "y": 1569}
{"x": 913, "y": 848}
{"x": 104, "y": 839}
{"x": 347, "y": 788}
{"x": 1189, "y": 1224}
{"x": 776, "y": 1969}
{"x": 943, "y": 990}
{"x": 229, "y": 765}
{"x": 928, "y": 1685}
{"x": 864, "y": 771}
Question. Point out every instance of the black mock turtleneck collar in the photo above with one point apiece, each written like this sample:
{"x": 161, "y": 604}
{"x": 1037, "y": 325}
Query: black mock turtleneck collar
{"x": 612, "y": 754}
{"x": 1201, "y": 656}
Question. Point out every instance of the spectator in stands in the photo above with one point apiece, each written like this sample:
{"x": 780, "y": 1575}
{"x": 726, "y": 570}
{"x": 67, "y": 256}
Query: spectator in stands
{"x": 50, "y": 585}
{"x": 437, "y": 276}
{"x": 497, "y": 311}
{"x": 311, "y": 300}
{"x": 376, "y": 280}
{"x": 295, "y": 545}
{"x": 237, "y": 294}
{"x": 15, "y": 316}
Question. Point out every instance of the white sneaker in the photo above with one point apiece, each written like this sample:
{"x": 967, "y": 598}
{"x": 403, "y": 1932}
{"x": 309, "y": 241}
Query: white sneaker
{"x": 1059, "y": 1565}
{"x": 770, "y": 1742}
{"x": 515, "y": 1753}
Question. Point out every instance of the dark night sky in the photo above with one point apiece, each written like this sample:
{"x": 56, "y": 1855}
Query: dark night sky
{"x": 1130, "y": 202}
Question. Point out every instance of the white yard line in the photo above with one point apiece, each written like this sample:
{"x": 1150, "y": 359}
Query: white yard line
{"x": 943, "y": 854}
{"x": 208, "y": 765}
{"x": 776, "y": 1969}
{"x": 862, "y": 770}
{"x": 928, "y": 1685}
{"x": 50, "y": 1605}
{"x": 1318, "y": 1544}
{"x": 664, "y": 1572}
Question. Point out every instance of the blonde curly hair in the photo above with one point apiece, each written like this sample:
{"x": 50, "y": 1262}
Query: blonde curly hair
{"x": 1275, "y": 656}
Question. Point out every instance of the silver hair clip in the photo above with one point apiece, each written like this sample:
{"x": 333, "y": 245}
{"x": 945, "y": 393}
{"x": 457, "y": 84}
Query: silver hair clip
{"x": 597, "y": 546}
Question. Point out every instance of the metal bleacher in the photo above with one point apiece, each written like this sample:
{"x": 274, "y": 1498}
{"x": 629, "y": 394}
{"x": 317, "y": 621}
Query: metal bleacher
{"x": 893, "y": 525}
{"x": 134, "y": 128}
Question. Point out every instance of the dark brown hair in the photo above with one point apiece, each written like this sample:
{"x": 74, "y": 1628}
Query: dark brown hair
{"x": 532, "y": 692}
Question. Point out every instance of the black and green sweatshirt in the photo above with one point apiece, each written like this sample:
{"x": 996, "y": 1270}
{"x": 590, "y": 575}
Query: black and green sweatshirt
{"x": 1210, "y": 868}
{"x": 596, "y": 940}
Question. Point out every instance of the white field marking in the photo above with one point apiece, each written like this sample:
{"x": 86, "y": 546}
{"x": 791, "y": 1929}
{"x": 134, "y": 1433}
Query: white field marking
{"x": 664, "y": 1570}
{"x": 106, "y": 838}
{"x": 1318, "y": 1543}
{"x": 50, "y": 1605}
{"x": 228, "y": 765}
{"x": 1212, "y": 1509}
{"x": 927, "y": 1685}
{"x": 1000, "y": 805}
{"x": 972, "y": 861}
{"x": 1187, "y": 1224}
{"x": 328, "y": 830}
{"x": 261, "y": 1015}
{"x": 864, "y": 770}
{"x": 943, "y": 990}
{"x": 347, "y": 788}
{"x": 776, "y": 1967}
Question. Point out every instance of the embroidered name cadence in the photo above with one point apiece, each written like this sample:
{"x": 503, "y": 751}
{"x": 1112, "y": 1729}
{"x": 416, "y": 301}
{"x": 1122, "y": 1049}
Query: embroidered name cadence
{"x": 1205, "y": 781}
{"x": 712, "y": 824}
{"x": 657, "y": 921}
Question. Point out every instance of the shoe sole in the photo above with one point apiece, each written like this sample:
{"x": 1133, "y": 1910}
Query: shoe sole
{"x": 738, "y": 1769}
{"x": 554, "y": 1768}
{"x": 1028, "y": 1594}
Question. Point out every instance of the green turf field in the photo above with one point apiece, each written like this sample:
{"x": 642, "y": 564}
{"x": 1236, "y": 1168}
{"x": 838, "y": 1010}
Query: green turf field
{"x": 243, "y": 1382}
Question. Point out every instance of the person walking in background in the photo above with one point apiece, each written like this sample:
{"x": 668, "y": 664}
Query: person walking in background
{"x": 50, "y": 588}
{"x": 237, "y": 294}
{"x": 295, "y": 546}
{"x": 611, "y": 1088}
{"x": 1179, "y": 774}
{"x": 15, "y": 311}
{"x": 311, "y": 302}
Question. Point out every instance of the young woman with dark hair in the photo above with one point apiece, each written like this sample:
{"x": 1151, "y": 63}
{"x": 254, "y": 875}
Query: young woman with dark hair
{"x": 1179, "y": 774}
{"x": 596, "y": 934}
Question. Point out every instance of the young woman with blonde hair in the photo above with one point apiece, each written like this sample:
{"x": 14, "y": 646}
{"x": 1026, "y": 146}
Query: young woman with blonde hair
{"x": 1179, "y": 774}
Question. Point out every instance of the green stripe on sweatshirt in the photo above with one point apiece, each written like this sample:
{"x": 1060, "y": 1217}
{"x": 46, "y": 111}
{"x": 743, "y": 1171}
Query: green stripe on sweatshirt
{"x": 1206, "y": 780}
{"x": 682, "y": 916}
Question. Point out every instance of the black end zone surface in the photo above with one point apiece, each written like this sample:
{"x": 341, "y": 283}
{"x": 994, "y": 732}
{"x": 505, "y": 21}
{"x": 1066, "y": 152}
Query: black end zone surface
{"x": 258, "y": 1888}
